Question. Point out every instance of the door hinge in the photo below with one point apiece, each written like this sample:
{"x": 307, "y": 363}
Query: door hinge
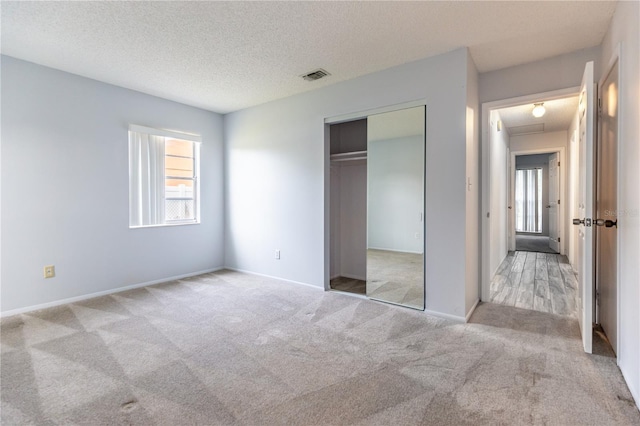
{"x": 558, "y": 239}
{"x": 597, "y": 298}
{"x": 599, "y": 107}
{"x": 558, "y": 164}
{"x": 558, "y": 202}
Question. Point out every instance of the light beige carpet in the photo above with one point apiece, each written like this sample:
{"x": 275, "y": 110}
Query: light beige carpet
{"x": 230, "y": 348}
{"x": 396, "y": 277}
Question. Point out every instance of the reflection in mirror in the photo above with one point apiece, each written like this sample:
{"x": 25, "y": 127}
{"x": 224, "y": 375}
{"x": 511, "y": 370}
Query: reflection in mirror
{"x": 395, "y": 207}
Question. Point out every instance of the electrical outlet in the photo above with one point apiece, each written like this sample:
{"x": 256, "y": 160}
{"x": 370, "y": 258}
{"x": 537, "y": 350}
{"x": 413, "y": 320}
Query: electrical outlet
{"x": 49, "y": 271}
{"x": 277, "y": 254}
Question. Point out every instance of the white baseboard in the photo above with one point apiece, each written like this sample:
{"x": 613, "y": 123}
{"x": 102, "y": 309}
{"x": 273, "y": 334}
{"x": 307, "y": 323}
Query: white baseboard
{"x": 272, "y": 277}
{"x": 473, "y": 308}
{"x": 395, "y": 250}
{"x": 455, "y": 318}
{"x": 101, "y": 293}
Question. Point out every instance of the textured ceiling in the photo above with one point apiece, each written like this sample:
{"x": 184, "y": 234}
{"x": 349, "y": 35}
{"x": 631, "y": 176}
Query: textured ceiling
{"x": 225, "y": 56}
{"x": 558, "y": 116}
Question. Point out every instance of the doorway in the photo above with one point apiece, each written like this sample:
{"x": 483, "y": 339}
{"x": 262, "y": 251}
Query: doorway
{"x": 536, "y": 193}
{"x": 526, "y": 227}
{"x": 591, "y": 242}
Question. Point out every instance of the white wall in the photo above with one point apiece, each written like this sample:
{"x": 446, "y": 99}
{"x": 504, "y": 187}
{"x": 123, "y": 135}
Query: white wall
{"x": 65, "y": 188}
{"x": 394, "y": 194}
{"x": 472, "y": 193}
{"x": 498, "y": 182}
{"x": 624, "y": 30}
{"x": 277, "y": 175}
{"x": 558, "y": 72}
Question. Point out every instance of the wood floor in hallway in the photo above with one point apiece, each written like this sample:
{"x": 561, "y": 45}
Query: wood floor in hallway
{"x": 542, "y": 282}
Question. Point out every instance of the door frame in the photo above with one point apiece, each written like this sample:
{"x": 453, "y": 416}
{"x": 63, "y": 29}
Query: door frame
{"x": 562, "y": 214}
{"x": 615, "y": 57}
{"x": 485, "y": 151}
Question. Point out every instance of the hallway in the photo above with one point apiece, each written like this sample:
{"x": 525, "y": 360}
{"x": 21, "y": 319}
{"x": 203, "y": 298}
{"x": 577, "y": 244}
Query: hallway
{"x": 537, "y": 243}
{"x": 542, "y": 282}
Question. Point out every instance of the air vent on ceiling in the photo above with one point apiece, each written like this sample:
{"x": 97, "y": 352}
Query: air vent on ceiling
{"x": 315, "y": 75}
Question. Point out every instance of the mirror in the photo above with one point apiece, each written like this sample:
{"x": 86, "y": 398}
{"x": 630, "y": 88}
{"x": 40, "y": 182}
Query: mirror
{"x": 395, "y": 207}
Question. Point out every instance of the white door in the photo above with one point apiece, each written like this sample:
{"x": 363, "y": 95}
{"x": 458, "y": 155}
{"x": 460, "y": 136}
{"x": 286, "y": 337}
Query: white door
{"x": 554, "y": 200}
{"x": 585, "y": 207}
{"x": 606, "y": 208}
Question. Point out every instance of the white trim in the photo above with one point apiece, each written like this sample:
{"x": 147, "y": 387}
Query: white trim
{"x": 244, "y": 271}
{"x": 395, "y": 250}
{"x": 485, "y": 201}
{"x": 364, "y": 114}
{"x": 161, "y": 225}
{"x": 102, "y": 293}
{"x": 471, "y": 311}
{"x": 166, "y": 133}
{"x": 456, "y": 318}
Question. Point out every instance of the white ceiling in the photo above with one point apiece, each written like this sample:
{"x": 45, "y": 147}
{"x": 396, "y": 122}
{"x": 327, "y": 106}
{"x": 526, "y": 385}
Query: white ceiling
{"x": 558, "y": 116}
{"x": 225, "y": 56}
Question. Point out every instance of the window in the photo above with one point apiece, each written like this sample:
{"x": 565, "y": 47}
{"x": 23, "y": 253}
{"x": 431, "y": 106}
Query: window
{"x": 529, "y": 200}
{"x": 163, "y": 177}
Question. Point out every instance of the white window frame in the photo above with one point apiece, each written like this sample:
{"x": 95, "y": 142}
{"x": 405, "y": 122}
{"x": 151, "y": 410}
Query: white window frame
{"x": 135, "y": 199}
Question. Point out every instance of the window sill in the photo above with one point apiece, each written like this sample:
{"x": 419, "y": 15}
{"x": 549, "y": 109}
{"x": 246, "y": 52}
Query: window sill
{"x": 162, "y": 225}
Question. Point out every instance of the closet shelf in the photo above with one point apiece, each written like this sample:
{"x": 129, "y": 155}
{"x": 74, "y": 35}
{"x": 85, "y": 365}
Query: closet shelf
{"x": 349, "y": 156}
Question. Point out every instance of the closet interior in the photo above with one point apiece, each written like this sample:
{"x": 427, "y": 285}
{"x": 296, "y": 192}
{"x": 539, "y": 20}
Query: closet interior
{"x": 348, "y": 151}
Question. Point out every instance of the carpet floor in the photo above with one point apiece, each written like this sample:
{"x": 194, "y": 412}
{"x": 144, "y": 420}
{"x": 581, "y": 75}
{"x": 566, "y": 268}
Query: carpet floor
{"x": 230, "y": 348}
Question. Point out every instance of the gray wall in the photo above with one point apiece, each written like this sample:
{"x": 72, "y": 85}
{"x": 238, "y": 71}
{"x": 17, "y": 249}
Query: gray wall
{"x": 539, "y": 161}
{"x": 558, "y": 72}
{"x": 65, "y": 188}
{"x": 282, "y": 200}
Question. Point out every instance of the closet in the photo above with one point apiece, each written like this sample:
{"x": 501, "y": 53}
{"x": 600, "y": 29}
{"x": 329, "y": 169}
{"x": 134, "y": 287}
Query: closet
{"x": 377, "y": 186}
{"x": 348, "y": 152}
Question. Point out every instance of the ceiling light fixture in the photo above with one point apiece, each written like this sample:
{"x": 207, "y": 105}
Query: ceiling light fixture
{"x": 538, "y": 110}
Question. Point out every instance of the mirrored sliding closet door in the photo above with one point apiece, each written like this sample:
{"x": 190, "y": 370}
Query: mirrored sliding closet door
{"x": 395, "y": 207}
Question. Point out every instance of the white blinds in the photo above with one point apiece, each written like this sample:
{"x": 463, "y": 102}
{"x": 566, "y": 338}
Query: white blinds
{"x": 529, "y": 200}
{"x": 146, "y": 179}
